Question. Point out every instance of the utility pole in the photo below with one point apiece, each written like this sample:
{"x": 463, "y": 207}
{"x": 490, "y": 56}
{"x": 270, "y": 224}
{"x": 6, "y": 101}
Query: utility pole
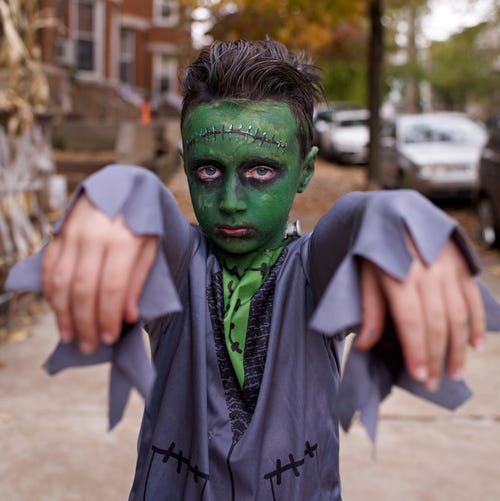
{"x": 375, "y": 60}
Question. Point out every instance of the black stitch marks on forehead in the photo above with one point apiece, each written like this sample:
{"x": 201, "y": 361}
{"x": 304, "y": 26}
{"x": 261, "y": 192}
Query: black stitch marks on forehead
{"x": 250, "y": 136}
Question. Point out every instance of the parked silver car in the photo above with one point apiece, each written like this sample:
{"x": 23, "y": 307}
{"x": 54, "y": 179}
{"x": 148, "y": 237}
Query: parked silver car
{"x": 345, "y": 138}
{"x": 488, "y": 192}
{"x": 323, "y": 116}
{"x": 434, "y": 153}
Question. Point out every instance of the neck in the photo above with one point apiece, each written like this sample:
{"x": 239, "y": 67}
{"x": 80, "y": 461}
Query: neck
{"x": 243, "y": 261}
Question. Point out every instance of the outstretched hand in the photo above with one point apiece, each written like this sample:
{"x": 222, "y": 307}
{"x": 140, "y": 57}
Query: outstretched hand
{"x": 437, "y": 311}
{"x": 93, "y": 273}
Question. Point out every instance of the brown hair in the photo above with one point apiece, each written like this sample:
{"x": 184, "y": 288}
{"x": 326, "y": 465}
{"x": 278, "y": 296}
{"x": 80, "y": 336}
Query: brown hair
{"x": 262, "y": 70}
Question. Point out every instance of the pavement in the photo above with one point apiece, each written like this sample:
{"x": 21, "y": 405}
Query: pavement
{"x": 55, "y": 445}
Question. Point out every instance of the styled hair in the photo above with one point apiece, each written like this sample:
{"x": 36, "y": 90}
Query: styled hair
{"x": 262, "y": 70}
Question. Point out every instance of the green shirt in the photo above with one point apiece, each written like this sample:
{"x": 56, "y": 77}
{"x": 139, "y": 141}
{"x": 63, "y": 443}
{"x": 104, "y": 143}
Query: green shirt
{"x": 240, "y": 283}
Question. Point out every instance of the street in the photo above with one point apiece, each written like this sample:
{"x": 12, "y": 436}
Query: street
{"x": 53, "y": 429}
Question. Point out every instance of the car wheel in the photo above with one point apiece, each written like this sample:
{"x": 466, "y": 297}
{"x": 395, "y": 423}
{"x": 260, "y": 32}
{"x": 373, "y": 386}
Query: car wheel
{"x": 399, "y": 179}
{"x": 488, "y": 226}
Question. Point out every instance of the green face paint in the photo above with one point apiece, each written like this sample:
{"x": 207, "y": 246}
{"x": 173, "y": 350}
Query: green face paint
{"x": 242, "y": 161}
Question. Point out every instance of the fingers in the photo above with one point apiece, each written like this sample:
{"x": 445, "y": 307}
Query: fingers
{"x": 467, "y": 325}
{"x": 82, "y": 293}
{"x": 407, "y": 312}
{"x": 373, "y": 307}
{"x": 434, "y": 321}
{"x": 437, "y": 310}
{"x": 466, "y": 318}
{"x": 125, "y": 269}
{"x": 57, "y": 272}
{"x": 93, "y": 272}
{"x": 477, "y": 317}
{"x": 458, "y": 329}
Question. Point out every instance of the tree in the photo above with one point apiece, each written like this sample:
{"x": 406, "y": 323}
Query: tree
{"x": 403, "y": 20}
{"x": 465, "y": 68}
{"x": 375, "y": 93}
{"x": 299, "y": 24}
{"x": 321, "y": 28}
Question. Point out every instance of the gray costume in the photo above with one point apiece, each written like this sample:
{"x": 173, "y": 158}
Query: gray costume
{"x": 203, "y": 437}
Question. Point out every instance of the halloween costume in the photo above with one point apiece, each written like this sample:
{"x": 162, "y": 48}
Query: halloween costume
{"x": 203, "y": 436}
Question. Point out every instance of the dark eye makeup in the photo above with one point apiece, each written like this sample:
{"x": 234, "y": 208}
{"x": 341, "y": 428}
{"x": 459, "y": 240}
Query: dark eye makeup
{"x": 254, "y": 172}
{"x": 208, "y": 173}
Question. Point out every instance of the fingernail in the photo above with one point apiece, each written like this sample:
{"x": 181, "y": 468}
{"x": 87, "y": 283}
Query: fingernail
{"x": 478, "y": 344}
{"x": 86, "y": 347}
{"x": 421, "y": 373}
{"x": 457, "y": 375}
{"x": 432, "y": 384}
{"x": 369, "y": 333}
{"x": 365, "y": 336}
{"x": 107, "y": 338}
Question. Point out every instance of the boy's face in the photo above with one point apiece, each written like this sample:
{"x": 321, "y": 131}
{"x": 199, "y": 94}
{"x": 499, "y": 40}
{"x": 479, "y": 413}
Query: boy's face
{"x": 243, "y": 164}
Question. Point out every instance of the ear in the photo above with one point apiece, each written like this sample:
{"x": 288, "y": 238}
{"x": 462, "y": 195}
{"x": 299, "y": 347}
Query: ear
{"x": 307, "y": 169}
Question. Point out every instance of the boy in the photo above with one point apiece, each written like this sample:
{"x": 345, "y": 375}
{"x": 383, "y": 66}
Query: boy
{"x": 247, "y": 320}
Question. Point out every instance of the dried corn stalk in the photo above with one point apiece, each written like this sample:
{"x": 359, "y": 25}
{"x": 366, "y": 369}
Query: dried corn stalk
{"x": 25, "y": 91}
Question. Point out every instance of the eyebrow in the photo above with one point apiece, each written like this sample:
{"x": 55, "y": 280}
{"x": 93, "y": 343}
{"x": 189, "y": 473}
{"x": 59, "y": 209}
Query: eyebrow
{"x": 250, "y": 136}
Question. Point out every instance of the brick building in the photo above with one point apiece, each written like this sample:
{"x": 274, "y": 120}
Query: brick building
{"x": 105, "y": 56}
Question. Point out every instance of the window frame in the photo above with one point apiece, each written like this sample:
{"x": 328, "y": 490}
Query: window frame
{"x": 167, "y": 21}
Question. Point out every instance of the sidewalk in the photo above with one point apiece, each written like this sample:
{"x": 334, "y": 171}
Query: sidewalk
{"x": 55, "y": 447}
{"x": 53, "y": 438}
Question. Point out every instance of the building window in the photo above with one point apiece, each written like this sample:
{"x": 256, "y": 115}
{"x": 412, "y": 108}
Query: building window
{"x": 127, "y": 56}
{"x": 165, "y": 74}
{"x": 88, "y": 21}
{"x": 166, "y": 12}
{"x": 85, "y": 38}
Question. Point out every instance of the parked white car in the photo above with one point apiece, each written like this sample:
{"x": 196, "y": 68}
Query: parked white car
{"x": 434, "y": 153}
{"x": 345, "y": 140}
{"x": 323, "y": 116}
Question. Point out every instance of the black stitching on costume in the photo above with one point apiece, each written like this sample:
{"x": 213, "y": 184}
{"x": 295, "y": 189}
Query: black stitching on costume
{"x": 179, "y": 457}
{"x": 292, "y": 465}
{"x": 235, "y": 345}
{"x": 234, "y": 271}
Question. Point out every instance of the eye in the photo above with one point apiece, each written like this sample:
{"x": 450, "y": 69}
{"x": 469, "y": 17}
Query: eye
{"x": 260, "y": 173}
{"x": 208, "y": 173}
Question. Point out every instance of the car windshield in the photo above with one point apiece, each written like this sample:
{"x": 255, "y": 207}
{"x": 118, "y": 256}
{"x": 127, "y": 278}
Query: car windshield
{"x": 444, "y": 131}
{"x": 325, "y": 115}
{"x": 352, "y": 122}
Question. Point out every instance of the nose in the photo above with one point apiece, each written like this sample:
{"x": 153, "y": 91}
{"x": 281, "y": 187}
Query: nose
{"x": 232, "y": 199}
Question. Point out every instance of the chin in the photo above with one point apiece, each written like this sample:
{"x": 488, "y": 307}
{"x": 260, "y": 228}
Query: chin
{"x": 235, "y": 245}
{"x": 237, "y": 249}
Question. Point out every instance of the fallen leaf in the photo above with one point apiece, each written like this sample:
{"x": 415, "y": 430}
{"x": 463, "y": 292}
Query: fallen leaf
{"x": 495, "y": 270}
{"x": 16, "y": 336}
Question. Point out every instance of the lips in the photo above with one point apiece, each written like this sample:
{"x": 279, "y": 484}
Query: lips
{"x": 235, "y": 231}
